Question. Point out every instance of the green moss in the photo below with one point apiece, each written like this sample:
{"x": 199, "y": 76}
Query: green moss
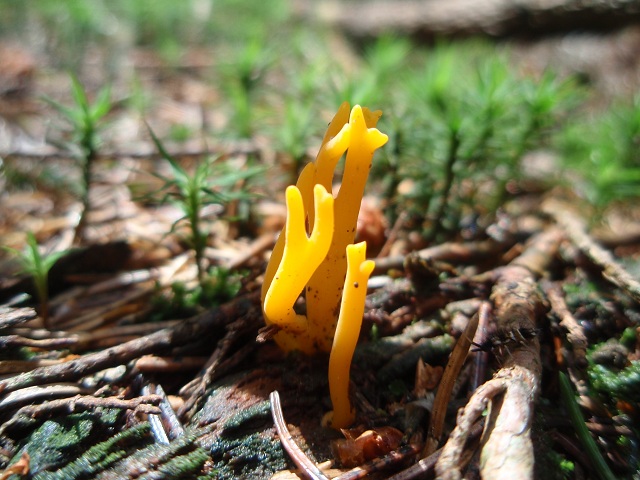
{"x": 184, "y": 466}
{"x": 623, "y": 384}
{"x": 259, "y": 411}
{"x": 101, "y": 456}
{"x": 59, "y": 440}
{"x": 252, "y": 456}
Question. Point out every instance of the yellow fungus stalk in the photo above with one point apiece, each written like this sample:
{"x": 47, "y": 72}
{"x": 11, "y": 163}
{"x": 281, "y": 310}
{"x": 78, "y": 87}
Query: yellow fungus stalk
{"x": 347, "y": 333}
{"x": 312, "y": 251}
{"x": 299, "y": 250}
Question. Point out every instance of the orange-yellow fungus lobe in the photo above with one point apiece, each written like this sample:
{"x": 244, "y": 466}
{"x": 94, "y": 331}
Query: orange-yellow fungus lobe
{"x": 315, "y": 254}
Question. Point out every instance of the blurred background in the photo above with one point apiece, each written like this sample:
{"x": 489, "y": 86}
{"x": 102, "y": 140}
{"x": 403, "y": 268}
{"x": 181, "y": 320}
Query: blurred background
{"x": 542, "y": 91}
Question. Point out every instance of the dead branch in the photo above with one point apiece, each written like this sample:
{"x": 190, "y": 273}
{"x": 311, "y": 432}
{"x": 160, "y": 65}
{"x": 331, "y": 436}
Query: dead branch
{"x": 45, "y": 344}
{"x": 174, "y": 427}
{"x": 188, "y": 331}
{"x": 575, "y": 333}
{"x": 451, "y": 372}
{"x": 195, "y": 390}
{"x": 33, "y": 394}
{"x": 576, "y": 231}
{"x": 425, "y": 467}
{"x": 10, "y": 317}
{"x": 449, "y": 464}
{"x": 145, "y": 404}
{"x": 19, "y": 366}
{"x": 473, "y": 17}
{"x": 397, "y": 456}
{"x": 449, "y": 252}
{"x": 507, "y": 450}
{"x": 153, "y": 363}
{"x": 166, "y": 426}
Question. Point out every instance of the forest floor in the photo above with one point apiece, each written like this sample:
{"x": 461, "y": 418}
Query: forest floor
{"x": 536, "y": 315}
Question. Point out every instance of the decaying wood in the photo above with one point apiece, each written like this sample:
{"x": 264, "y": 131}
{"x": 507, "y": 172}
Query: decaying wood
{"x": 575, "y": 229}
{"x": 194, "y": 391}
{"x": 507, "y": 449}
{"x": 189, "y": 330}
{"x": 467, "y": 17}
{"x": 575, "y": 333}
{"x": 10, "y": 317}
{"x": 448, "y": 252}
{"x": 145, "y": 404}
{"x": 451, "y": 372}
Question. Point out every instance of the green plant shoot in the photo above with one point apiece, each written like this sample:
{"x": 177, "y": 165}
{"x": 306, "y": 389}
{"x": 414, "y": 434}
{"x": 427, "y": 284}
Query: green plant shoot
{"x": 600, "y": 466}
{"x": 210, "y": 183}
{"x": 85, "y": 119}
{"x": 34, "y": 263}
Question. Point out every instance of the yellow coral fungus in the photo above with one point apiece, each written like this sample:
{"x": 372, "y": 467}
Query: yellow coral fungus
{"x": 317, "y": 261}
{"x": 347, "y": 332}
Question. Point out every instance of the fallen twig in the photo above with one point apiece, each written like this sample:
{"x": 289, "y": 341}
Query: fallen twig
{"x": 449, "y": 252}
{"x": 154, "y": 363}
{"x": 426, "y": 465}
{"x": 44, "y": 344}
{"x": 575, "y": 333}
{"x": 451, "y": 372}
{"x": 195, "y": 390}
{"x": 396, "y": 456}
{"x": 185, "y": 332}
{"x": 575, "y": 230}
{"x": 10, "y": 317}
{"x": 507, "y": 450}
{"x": 34, "y": 394}
{"x": 145, "y": 404}
{"x": 306, "y": 466}
{"x": 449, "y": 465}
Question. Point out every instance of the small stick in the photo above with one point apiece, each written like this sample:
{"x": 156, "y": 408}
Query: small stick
{"x": 34, "y": 394}
{"x": 179, "y": 334}
{"x": 396, "y": 456}
{"x": 10, "y": 317}
{"x": 145, "y": 404}
{"x": 449, "y": 464}
{"x": 153, "y": 363}
{"x": 393, "y": 234}
{"x": 575, "y": 230}
{"x": 176, "y": 430}
{"x": 575, "y": 333}
{"x": 46, "y": 344}
{"x": 451, "y": 372}
{"x": 425, "y": 466}
{"x": 198, "y": 386}
{"x": 307, "y": 467}
{"x": 159, "y": 422}
{"x": 262, "y": 243}
{"x": 19, "y": 366}
{"x": 449, "y": 252}
{"x": 481, "y": 356}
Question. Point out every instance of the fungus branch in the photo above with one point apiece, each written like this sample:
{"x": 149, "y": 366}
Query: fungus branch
{"x": 315, "y": 253}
